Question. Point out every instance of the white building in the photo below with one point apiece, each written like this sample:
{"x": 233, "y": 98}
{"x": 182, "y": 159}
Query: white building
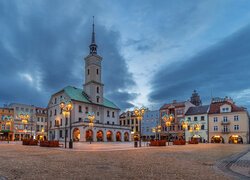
{"x": 90, "y": 99}
{"x": 197, "y": 123}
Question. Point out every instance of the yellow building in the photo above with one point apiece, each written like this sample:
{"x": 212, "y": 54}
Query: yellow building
{"x": 228, "y": 123}
{"x": 129, "y": 119}
{"x": 6, "y": 124}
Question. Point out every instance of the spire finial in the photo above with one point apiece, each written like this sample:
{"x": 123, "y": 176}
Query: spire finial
{"x": 93, "y": 31}
{"x": 93, "y": 46}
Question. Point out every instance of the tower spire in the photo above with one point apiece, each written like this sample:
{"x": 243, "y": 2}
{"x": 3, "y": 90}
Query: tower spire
{"x": 93, "y": 46}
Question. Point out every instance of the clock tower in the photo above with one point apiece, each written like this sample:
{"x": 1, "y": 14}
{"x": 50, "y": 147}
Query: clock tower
{"x": 93, "y": 86}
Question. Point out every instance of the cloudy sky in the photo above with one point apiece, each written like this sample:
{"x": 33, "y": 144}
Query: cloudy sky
{"x": 153, "y": 51}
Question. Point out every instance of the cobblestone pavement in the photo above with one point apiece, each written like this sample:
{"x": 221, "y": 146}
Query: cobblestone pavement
{"x": 237, "y": 165}
{"x": 95, "y": 161}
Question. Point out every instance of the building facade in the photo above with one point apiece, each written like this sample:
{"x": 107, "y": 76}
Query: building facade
{"x": 228, "y": 123}
{"x": 41, "y": 125}
{"x": 90, "y": 99}
{"x": 197, "y": 118}
{"x": 150, "y": 123}
{"x": 178, "y": 110}
{"x": 6, "y": 124}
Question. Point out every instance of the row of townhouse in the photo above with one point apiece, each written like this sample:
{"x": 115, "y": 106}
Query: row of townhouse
{"x": 222, "y": 121}
{"x": 20, "y": 121}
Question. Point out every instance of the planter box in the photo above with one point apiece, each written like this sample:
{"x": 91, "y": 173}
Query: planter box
{"x": 193, "y": 141}
{"x": 158, "y": 143}
{"x": 49, "y": 143}
{"x": 179, "y": 142}
{"x": 30, "y": 142}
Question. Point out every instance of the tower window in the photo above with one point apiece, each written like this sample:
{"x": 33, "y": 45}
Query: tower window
{"x": 88, "y": 71}
{"x": 97, "y": 99}
{"x": 97, "y": 89}
{"x": 97, "y": 71}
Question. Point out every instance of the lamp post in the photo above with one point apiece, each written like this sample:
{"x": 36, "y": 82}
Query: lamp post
{"x": 91, "y": 118}
{"x": 157, "y": 129}
{"x": 66, "y": 107}
{"x": 168, "y": 121}
{"x": 184, "y": 125}
{"x": 139, "y": 114}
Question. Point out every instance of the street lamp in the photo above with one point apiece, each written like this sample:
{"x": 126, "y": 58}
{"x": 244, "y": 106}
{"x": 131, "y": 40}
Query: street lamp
{"x": 91, "y": 118}
{"x": 184, "y": 125}
{"x": 139, "y": 114}
{"x": 157, "y": 129}
{"x": 168, "y": 120}
{"x": 66, "y": 107}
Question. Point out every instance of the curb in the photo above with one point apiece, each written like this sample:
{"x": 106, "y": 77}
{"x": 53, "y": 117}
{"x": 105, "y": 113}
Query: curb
{"x": 224, "y": 165}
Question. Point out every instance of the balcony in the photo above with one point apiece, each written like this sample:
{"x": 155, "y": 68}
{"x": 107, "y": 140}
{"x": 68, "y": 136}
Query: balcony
{"x": 225, "y": 122}
{"x": 225, "y": 131}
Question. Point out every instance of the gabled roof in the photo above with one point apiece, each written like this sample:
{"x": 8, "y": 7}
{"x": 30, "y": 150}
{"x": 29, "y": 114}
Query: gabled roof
{"x": 175, "y": 104}
{"x": 197, "y": 110}
{"x": 215, "y": 107}
{"x": 79, "y": 95}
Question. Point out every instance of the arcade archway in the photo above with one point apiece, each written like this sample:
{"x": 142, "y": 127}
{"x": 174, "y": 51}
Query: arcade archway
{"x": 99, "y": 135}
{"x": 109, "y": 136}
{"x": 126, "y": 136}
{"x": 76, "y": 134}
{"x": 89, "y": 135}
{"x": 235, "y": 139}
{"x": 217, "y": 139}
{"x": 118, "y": 136}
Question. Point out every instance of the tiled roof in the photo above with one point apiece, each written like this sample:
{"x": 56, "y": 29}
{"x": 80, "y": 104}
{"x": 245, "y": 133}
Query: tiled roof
{"x": 197, "y": 110}
{"x": 215, "y": 107}
{"x": 79, "y": 95}
{"x": 175, "y": 104}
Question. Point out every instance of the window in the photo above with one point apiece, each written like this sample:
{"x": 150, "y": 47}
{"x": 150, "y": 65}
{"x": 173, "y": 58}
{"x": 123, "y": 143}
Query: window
{"x": 132, "y": 121}
{"x": 27, "y": 110}
{"x": 195, "y": 118}
{"x": 80, "y": 109}
{"x": 55, "y": 100}
{"x": 120, "y": 123}
{"x": 236, "y": 127}
{"x": 45, "y": 119}
{"x": 55, "y": 112}
{"x": 124, "y": 122}
{"x": 202, "y": 118}
{"x": 215, "y": 119}
{"x": 88, "y": 71}
{"x": 97, "y": 71}
{"x": 37, "y": 128}
{"x": 202, "y": 127}
{"x": 136, "y": 128}
{"x": 38, "y": 119}
{"x": 97, "y": 113}
{"x": 86, "y": 110}
{"x": 128, "y": 122}
{"x": 41, "y": 119}
{"x": 113, "y": 114}
{"x": 215, "y": 128}
{"x": 17, "y": 108}
{"x": 107, "y": 122}
{"x": 225, "y": 119}
{"x": 189, "y": 119}
{"x": 79, "y": 119}
{"x": 113, "y": 123}
{"x": 50, "y": 124}
{"x": 107, "y": 113}
{"x": 60, "y": 122}
{"x": 66, "y": 133}
{"x": 22, "y": 109}
{"x": 97, "y": 89}
{"x": 236, "y": 118}
{"x": 97, "y": 99}
{"x": 61, "y": 134}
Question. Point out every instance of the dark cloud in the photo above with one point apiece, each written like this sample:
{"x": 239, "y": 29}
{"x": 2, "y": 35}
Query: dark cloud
{"x": 48, "y": 41}
{"x": 220, "y": 70}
